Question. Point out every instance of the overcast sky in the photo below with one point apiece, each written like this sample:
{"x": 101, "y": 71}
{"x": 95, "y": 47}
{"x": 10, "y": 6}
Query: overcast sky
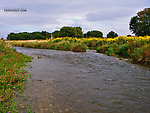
{"x": 51, "y": 15}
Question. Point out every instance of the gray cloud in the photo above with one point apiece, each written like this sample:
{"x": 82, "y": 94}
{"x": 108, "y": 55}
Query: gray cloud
{"x": 109, "y": 14}
{"x": 51, "y": 14}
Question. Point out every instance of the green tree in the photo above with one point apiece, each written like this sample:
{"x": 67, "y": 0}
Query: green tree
{"x": 140, "y": 24}
{"x": 28, "y": 36}
{"x": 88, "y": 34}
{"x": 25, "y": 36}
{"x": 68, "y": 32}
{"x": 94, "y": 33}
{"x": 55, "y": 34}
{"x": 10, "y": 36}
{"x": 79, "y": 32}
{"x": 112, "y": 34}
{"x": 85, "y": 35}
{"x": 45, "y": 34}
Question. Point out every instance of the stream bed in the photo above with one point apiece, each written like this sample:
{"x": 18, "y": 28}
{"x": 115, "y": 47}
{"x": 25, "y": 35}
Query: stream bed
{"x": 88, "y": 82}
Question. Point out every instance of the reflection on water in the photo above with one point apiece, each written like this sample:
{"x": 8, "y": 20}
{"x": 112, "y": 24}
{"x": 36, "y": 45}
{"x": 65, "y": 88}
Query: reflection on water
{"x": 88, "y": 82}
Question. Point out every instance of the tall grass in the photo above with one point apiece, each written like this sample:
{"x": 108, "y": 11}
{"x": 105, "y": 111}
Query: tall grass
{"x": 57, "y": 44}
{"x": 135, "y": 48}
{"x": 12, "y": 76}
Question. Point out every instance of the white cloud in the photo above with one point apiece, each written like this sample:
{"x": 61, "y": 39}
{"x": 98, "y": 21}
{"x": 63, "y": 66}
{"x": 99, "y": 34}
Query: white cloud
{"x": 104, "y": 15}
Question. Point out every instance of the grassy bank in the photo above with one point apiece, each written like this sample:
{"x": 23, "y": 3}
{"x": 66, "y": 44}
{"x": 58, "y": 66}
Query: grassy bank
{"x": 135, "y": 48}
{"x": 64, "y": 45}
{"x": 12, "y": 76}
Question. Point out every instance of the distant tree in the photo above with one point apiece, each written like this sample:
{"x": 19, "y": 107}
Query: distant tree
{"x": 85, "y": 35}
{"x": 88, "y": 34}
{"x": 46, "y": 34}
{"x": 55, "y": 34}
{"x": 10, "y": 36}
{"x": 128, "y": 35}
{"x": 94, "y": 33}
{"x": 97, "y": 34}
{"x": 68, "y": 32}
{"x": 140, "y": 24}
{"x": 79, "y": 32}
{"x": 39, "y": 36}
{"x": 29, "y": 36}
{"x": 112, "y": 34}
{"x": 25, "y": 36}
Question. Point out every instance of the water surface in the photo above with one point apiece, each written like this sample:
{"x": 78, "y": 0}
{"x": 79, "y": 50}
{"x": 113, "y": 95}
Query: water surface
{"x": 68, "y": 82}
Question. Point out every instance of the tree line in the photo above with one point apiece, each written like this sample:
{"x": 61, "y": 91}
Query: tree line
{"x": 78, "y": 33}
{"x": 65, "y": 31}
{"x": 139, "y": 25}
{"x": 29, "y": 36}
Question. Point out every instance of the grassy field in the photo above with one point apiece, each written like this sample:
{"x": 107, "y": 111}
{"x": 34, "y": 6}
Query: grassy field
{"x": 135, "y": 48}
{"x": 12, "y": 76}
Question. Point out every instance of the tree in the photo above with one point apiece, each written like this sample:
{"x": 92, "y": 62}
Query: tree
{"x": 68, "y": 32}
{"x": 10, "y": 36}
{"x": 112, "y": 34}
{"x": 45, "y": 34}
{"x": 129, "y": 35}
{"x": 94, "y": 33}
{"x": 97, "y": 34}
{"x": 88, "y": 34}
{"x": 29, "y": 36}
{"x": 140, "y": 24}
{"x": 79, "y": 32}
{"x": 55, "y": 34}
{"x": 25, "y": 36}
{"x": 85, "y": 35}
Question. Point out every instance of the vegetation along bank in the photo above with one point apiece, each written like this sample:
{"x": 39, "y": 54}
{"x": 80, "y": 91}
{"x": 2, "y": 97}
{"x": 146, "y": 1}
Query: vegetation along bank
{"x": 135, "y": 48}
{"x": 12, "y": 76}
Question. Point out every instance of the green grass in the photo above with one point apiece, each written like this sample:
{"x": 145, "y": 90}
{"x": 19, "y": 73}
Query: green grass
{"x": 64, "y": 45}
{"x": 138, "y": 53}
{"x": 136, "y": 49}
{"x": 12, "y": 76}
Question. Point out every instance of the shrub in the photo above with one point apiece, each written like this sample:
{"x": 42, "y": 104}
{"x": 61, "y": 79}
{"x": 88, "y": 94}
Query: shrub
{"x": 123, "y": 50}
{"x": 78, "y": 47}
{"x": 102, "y": 49}
{"x": 146, "y": 54}
{"x": 141, "y": 55}
{"x": 64, "y": 45}
{"x": 107, "y": 49}
{"x": 110, "y": 51}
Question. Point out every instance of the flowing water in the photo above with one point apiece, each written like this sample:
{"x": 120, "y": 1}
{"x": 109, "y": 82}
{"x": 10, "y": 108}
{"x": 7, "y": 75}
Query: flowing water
{"x": 89, "y": 82}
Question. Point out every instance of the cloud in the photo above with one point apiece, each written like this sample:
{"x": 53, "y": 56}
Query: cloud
{"x": 104, "y": 15}
{"x": 109, "y": 14}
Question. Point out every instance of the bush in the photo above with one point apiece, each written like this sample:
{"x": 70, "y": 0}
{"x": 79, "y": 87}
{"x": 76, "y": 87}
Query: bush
{"x": 123, "y": 50}
{"x": 110, "y": 51}
{"x": 141, "y": 55}
{"x": 107, "y": 49}
{"x": 146, "y": 54}
{"x": 78, "y": 47}
{"x": 64, "y": 45}
{"x": 102, "y": 49}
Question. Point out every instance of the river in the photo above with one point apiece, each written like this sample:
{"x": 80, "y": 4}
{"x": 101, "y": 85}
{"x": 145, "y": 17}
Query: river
{"x": 88, "y": 82}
